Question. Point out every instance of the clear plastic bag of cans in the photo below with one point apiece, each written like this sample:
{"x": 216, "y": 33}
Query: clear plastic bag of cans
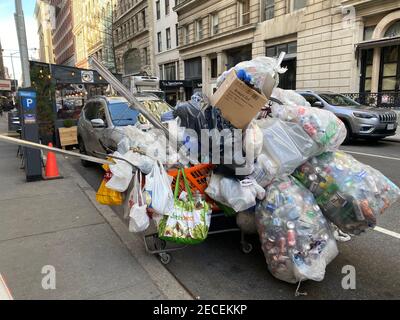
{"x": 262, "y": 73}
{"x": 321, "y": 125}
{"x": 286, "y": 144}
{"x": 351, "y": 194}
{"x": 296, "y": 238}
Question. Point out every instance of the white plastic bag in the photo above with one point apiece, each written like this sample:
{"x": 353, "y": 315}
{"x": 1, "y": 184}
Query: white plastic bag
{"x": 321, "y": 125}
{"x": 157, "y": 192}
{"x": 139, "y": 220}
{"x": 121, "y": 175}
{"x": 286, "y": 144}
{"x": 238, "y": 195}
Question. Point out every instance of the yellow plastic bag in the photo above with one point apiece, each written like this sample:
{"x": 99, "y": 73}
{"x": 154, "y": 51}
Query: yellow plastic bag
{"x": 107, "y": 196}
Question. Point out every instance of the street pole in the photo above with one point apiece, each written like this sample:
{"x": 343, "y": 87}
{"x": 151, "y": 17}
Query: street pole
{"x": 23, "y": 44}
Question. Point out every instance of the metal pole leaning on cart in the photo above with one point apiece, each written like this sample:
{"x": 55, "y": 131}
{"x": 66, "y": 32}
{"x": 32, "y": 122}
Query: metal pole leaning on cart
{"x": 135, "y": 104}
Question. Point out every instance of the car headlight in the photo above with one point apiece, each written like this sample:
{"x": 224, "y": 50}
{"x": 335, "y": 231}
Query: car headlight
{"x": 364, "y": 115}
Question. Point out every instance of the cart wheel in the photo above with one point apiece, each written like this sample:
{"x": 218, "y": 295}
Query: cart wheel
{"x": 165, "y": 258}
{"x": 247, "y": 248}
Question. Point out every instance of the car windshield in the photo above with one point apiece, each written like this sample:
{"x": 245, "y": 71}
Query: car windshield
{"x": 339, "y": 100}
{"x": 122, "y": 115}
{"x": 156, "y": 107}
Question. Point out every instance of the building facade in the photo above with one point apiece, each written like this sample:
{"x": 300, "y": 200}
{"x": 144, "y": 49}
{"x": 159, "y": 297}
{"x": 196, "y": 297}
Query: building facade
{"x": 166, "y": 54}
{"x": 93, "y": 32}
{"x": 43, "y": 13}
{"x": 347, "y": 46}
{"x": 132, "y": 32}
{"x": 63, "y": 37}
{"x": 2, "y": 68}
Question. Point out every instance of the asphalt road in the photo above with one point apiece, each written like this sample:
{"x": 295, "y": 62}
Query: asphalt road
{"x": 217, "y": 269}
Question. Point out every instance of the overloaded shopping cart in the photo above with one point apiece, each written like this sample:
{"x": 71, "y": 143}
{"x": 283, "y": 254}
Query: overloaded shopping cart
{"x": 298, "y": 189}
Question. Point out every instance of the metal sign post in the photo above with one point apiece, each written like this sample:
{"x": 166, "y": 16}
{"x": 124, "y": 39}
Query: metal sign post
{"x": 30, "y": 132}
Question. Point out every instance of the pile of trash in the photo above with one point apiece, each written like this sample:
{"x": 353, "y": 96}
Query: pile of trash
{"x": 283, "y": 171}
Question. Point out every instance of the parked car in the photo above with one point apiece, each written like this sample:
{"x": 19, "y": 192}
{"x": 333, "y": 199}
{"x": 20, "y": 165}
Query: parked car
{"x": 100, "y": 126}
{"x": 361, "y": 121}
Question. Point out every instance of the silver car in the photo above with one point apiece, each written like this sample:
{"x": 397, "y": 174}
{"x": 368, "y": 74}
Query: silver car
{"x": 361, "y": 121}
{"x": 101, "y": 123}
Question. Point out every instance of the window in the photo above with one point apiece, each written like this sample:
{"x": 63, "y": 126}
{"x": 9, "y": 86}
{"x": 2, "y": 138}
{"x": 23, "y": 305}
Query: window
{"x": 186, "y": 34}
{"x": 193, "y": 69}
{"x": 310, "y": 99}
{"x": 122, "y": 115}
{"x": 288, "y": 79}
{"x": 145, "y": 56}
{"x": 158, "y": 10}
{"x": 137, "y": 23}
{"x": 177, "y": 35}
{"x": 168, "y": 36}
{"x": 366, "y": 72}
{"x": 214, "y": 24}
{"x": 170, "y": 71}
{"x": 199, "y": 29}
{"x": 166, "y": 7}
{"x": 144, "y": 19}
{"x": 389, "y": 73}
{"x": 368, "y": 32}
{"x": 289, "y": 48}
{"x": 244, "y": 12}
{"x": 161, "y": 72}
{"x": 269, "y": 9}
{"x": 214, "y": 68}
{"x": 297, "y": 5}
{"x": 159, "y": 41}
{"x": 394, "y": 30}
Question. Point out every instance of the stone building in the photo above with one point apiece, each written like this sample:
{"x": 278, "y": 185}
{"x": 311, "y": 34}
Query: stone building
{"x": 63, "y": 37}
{"x": 166, "y": 55}
{"x": 43, "y": 12}
{"x": 93, "y": 32}
{"x": 132, "y": 31}
{"x": 348, "y": 46}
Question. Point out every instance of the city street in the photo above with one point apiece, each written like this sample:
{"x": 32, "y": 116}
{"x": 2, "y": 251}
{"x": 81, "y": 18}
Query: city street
{"x": 218, "y": 269}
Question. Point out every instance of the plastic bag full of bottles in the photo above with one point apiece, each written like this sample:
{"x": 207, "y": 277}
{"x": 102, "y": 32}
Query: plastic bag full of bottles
{"x": 351, "y": 194}
{"x": 296, "y": 238}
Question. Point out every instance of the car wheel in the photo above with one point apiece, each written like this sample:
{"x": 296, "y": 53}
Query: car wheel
{"x": 82, "y": 150}
{"x": 349, "y": 135}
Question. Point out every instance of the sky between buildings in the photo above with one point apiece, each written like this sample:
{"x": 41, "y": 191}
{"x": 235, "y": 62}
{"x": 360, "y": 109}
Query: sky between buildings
{"x": 8, "y": 33}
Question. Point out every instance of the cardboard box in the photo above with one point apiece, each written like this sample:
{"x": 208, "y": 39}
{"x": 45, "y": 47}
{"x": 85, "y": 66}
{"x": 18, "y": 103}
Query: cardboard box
{"x": 238, "y": 103}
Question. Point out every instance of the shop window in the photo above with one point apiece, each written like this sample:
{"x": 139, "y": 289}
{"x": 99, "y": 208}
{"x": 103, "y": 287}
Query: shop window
{"x": 238, "y": 55}
{"x": 390, "y": 69}
{"x": 146, "y": 56}
{"x": 161, "y": 72}
{"x": 366, "y": 72}
{"x": 214, "y": 68}
{"x": 268, "y": 9}
{"x": 177, "y": 35}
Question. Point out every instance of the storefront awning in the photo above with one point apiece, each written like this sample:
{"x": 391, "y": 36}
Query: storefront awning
{"x": 385, "y": 42}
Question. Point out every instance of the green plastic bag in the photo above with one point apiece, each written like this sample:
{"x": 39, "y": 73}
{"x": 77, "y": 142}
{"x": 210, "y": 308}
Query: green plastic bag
{"x": 190, "y": 220}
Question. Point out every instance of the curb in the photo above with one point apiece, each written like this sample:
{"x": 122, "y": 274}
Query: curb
{"x": 161, "y": 277}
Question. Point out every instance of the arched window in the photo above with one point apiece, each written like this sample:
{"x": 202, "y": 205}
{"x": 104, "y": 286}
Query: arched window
{"x": 132, "y": 62}
{"x": 394, "y": 30}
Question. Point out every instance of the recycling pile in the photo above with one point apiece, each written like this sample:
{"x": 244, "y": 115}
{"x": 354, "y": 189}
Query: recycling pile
{"x": 284, "y": 170}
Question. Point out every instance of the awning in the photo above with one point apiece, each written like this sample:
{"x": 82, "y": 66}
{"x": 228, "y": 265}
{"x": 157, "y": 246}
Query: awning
{"x": 385, "y": 42}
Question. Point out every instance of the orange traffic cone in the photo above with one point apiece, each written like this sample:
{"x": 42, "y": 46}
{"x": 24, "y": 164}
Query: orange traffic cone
{"x": 51, "y": 166}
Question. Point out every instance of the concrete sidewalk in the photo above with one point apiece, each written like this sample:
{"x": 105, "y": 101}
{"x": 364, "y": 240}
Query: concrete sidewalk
{"x": 58, "y": 224}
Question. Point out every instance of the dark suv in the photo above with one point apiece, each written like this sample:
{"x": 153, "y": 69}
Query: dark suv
{"x": 361, "y": 121}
